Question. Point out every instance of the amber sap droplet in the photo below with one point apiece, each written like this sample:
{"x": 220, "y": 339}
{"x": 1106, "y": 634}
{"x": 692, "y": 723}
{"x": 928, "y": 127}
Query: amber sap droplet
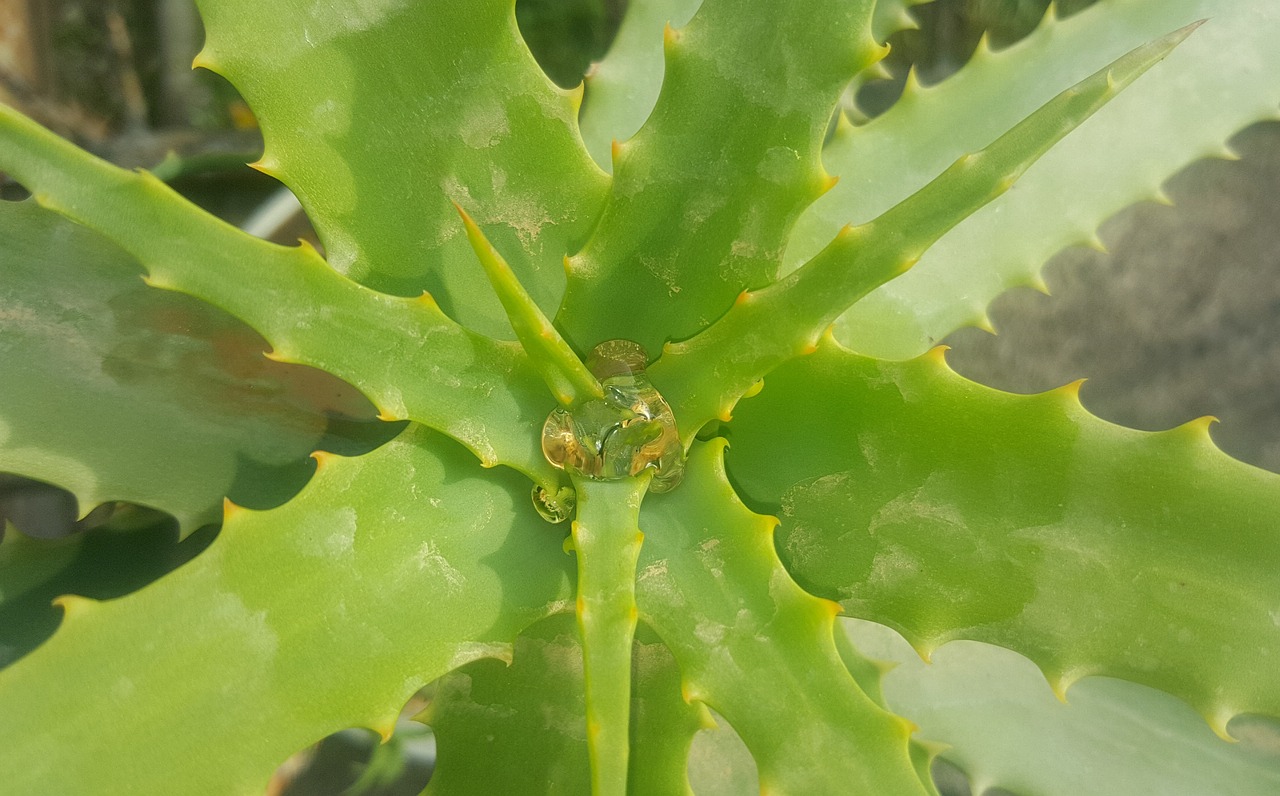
{"x": 620, "y": 435}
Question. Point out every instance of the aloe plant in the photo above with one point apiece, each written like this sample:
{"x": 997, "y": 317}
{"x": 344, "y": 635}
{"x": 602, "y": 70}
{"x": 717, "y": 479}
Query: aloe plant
{"x": 659, "y": 315}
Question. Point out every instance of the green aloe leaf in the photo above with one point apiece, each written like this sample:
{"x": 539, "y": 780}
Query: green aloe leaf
{"x": 708, "y": 374}
{"x": 950, "y": 510}
{"x": 149, "y": 397}
{"x": 101, "y": 563}
{"x": 387, "y": 571}
{"x": 756, "y": 648}
{"x": 519, "y": 728}
{"x": 622, "y": 89}
{"x": 461, "y": 112}
{"x": 1184, "y": 109}
{"x": 1005, "y": 728}
{"x": 705, "y": 194}
{"x": 411, "y": 360}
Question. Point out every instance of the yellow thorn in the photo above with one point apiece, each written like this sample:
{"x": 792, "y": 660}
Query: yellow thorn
{"x": 568, "y": 265}
{"x": 203, "y": 60}
{"x": 575, "y": 96}
{"x": 843, "y": 125}
{"x": 912, "y": 86}
{"x": 937, "y": 355}
{"x": 742, "y": 298}
{"x": 1218, "y": 723}
{"x": 580, "y": 607}
{"x": 834, "y": 608}
{"x": 323, "y": 458}
{"x": 726, "y": 414}
{"x": 387, "y": 417}
{"x": 1094, "y": 241}
{"x": 1161, "y": 198}
{"x": 1071, "y": 389}
{"x": 1200, "y": 426}
{"x": 983, "y": 322}
{"x": 428, "y": 300}
{"x": 267, "y": 166}
{"x": 385, "y": 728}
{"x": 670, "y": 36}
{"x": 615, "y": 151}
{"x": 73, "y": 605}
{"x": 828, "y": 182}
{"x": 230, "y": 510}
{"x": 755, "y": 389}
{"x": 1036, "y": 282}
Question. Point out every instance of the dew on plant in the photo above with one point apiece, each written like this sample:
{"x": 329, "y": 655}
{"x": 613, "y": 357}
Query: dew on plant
{"x": 554, "y": 507}
{"x": 629, "y": 430}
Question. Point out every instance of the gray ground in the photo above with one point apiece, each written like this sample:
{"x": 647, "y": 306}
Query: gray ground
{"x": 1180, "y": 319}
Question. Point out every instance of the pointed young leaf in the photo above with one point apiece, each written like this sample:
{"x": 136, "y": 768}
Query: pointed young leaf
{"x": 1003, "y": 725}
{"x": 705, "y": 194}
{"x": 756, "y": 648}
{"x": 950, "y": 510}
{"x": 329, "y": 612}
{"x": 404, "y": 354}
{"x": 565, "y": 375}
{"x": 622, "y": 89}
{"x": 1224, "y": 77}
{"x": 115, "y": 391}
{"x": 379, "y": 115}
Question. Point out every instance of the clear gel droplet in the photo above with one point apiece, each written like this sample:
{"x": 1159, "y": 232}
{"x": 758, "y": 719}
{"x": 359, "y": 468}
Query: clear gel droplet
{"x": 629, "y": 430}
{"x": 554, "y": 507}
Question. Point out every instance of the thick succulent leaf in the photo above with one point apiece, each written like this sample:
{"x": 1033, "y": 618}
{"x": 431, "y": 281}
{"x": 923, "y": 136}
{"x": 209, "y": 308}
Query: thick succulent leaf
{"x": 116, "y": 391}
{"x": 101, "y": 563}
{"x": 458, "y": 98}
{"x": 404, "y": 354}
{"x": 1005, "y": 728}
{"x": 1222, "y": 78}
{"x": 949, "y": 510}
{"x": 386, "y": 572}
{"x": 705, "y": 194}
{"x": 520, "y": 728}
{"x": 756, "y": 648}
{"x": 622, "y": 89}
{"x": 606, "y": 542}
{"x": 706, "y": 375}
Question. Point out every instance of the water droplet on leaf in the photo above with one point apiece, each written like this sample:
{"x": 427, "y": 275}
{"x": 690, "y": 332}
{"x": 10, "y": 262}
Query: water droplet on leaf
{"x": 629, "y": 430}
{"x": 554, "y": 507}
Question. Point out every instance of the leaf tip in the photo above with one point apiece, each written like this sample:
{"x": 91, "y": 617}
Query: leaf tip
{"x": 230, "y": 510}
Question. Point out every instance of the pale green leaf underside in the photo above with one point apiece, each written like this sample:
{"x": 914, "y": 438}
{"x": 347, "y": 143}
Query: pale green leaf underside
{"x": 378, "y": 116}
{"x": 1006, "y": 728}
{"x": 756, "y": 648}
{"x": 520, "y": 729}
{"x": 949, "y": 510}
{"x": 404, "y": 354}
{"x": 1226, "y": 75}
{"x": 386, "y": 572}
{"x": 705, "y": 194}
{"x": 622, "y": 88}
{"x": 116, "y": 391}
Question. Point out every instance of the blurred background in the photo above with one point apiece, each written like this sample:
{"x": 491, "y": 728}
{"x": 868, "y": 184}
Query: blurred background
{"x": 1180, "y": 319}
